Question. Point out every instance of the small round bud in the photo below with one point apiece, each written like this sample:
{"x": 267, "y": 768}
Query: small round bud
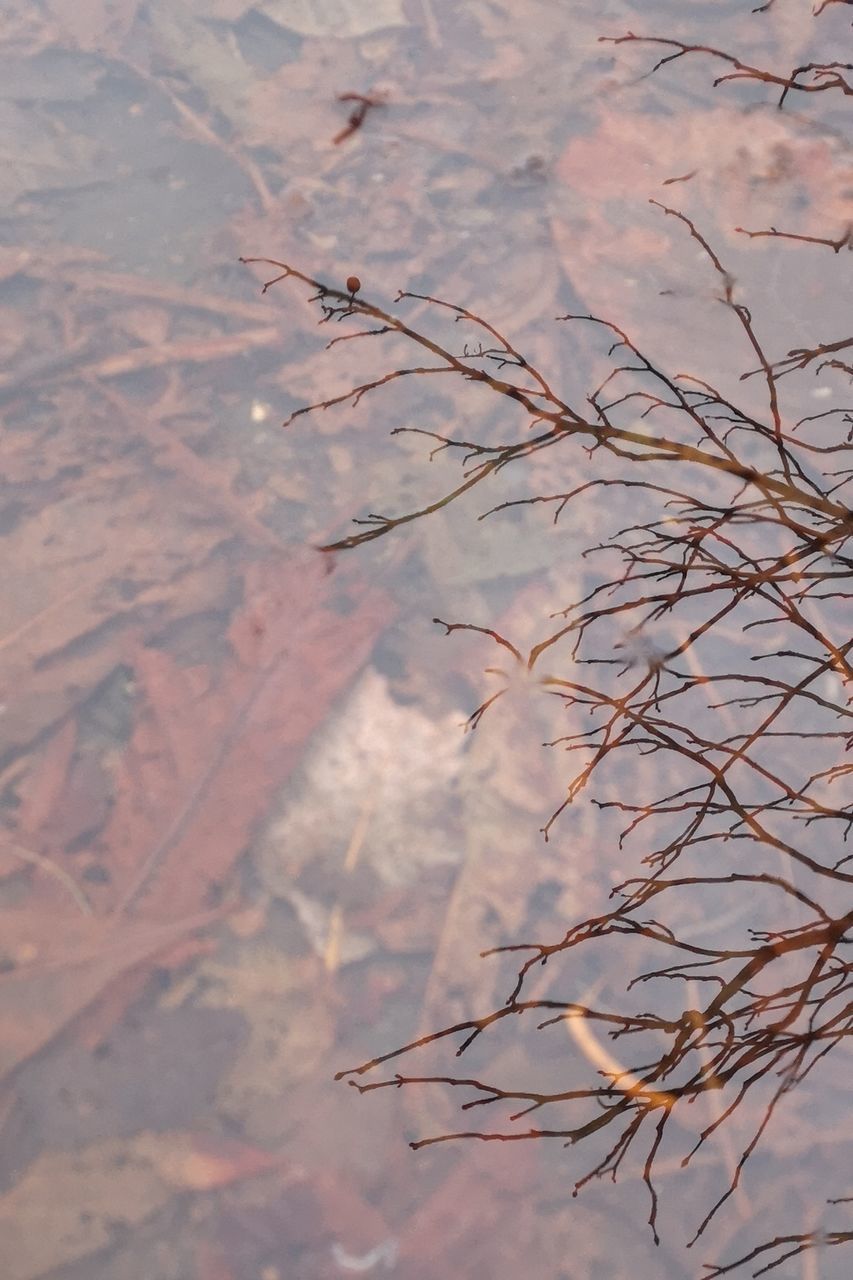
{"x": 353, "y": 284}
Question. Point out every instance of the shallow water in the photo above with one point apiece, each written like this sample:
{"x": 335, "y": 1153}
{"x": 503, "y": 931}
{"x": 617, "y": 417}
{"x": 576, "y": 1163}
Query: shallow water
{"x": 246, "y": 841}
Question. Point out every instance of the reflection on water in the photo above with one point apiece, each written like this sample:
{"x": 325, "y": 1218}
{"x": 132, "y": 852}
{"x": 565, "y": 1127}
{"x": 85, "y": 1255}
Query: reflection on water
{"x": 246, "y": 843}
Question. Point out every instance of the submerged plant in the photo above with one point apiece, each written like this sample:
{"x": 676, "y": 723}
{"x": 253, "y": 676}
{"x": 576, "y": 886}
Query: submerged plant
{"x": 714, "y": 642}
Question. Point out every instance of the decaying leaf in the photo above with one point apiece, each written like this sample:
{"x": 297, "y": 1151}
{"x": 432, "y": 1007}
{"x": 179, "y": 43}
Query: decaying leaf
{"x": 732, "y": 169}
{"x": 382, "y": 752}
{"x": 291, "y": 1031}
{"x": 212, "y": 743}
{"x": 56, "y": 965}
{"x": 341, "y": 18}
{"x": 70, "y": 1204}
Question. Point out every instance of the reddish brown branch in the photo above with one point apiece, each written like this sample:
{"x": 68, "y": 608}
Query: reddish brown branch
{"x": 825, "y": 75}
{"x": 845, "y": 240}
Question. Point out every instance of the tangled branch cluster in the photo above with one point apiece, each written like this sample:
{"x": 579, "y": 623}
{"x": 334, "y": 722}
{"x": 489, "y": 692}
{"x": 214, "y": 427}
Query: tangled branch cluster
{"x": 763, "y": 546}
{"x": 716, "y": 641}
